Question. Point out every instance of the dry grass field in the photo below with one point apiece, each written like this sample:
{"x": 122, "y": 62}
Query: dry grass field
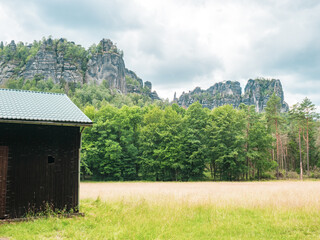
{"x": 197, "y": 210}
{"x": 276, "y": 194}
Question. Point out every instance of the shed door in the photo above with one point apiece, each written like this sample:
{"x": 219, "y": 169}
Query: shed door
{"x": 3, "y": 179}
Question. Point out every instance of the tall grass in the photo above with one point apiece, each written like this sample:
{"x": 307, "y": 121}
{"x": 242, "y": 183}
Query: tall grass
{"x": 185, "y": 211}
{"x": 276, "y": 194}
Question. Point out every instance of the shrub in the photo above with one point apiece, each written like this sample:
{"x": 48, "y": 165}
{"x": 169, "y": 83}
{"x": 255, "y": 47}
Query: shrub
{"x": 292, "y": 175}
{"x": 267, "y": 176}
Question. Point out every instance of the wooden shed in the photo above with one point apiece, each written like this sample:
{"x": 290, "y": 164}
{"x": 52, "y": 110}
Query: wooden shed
{"x": 40, "y": 139}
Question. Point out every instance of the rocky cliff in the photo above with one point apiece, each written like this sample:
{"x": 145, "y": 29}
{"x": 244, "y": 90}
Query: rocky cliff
{"x": 50, "y": 62}
{"x": 133, "y": 75}
{"x": 148, "y": 90}
{"x": 64, "y": 61}
{"x": 219, "y": 94}
{"x": 257, "y": 92}
{"x": 107, "y": 65}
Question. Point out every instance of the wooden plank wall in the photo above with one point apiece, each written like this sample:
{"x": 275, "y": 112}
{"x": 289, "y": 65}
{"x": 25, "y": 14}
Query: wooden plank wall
{"x": 33, "y": 182}
{"x": 3, "y": 179}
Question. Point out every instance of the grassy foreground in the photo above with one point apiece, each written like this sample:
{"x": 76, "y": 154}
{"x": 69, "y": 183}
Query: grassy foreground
{"x": 141, "y": 220}
{"x": 179, "y": 215}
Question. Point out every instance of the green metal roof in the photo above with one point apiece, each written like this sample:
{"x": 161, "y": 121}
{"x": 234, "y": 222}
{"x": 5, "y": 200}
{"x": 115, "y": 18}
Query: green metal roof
{"x": 40, "y": 107}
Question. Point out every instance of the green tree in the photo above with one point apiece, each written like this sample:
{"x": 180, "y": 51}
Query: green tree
{"x": 274, "y": 121}
{"x": 297, "y": 116}
{"x": 258, "y": 142}
{"x": 170, "y": 149}
{"x": 303, "y": 115}
{"x": 150, "y": 140}
{"x": 226, "y": 134}
{"x": 194, "y": 148}
{"x": 307, "y": 110}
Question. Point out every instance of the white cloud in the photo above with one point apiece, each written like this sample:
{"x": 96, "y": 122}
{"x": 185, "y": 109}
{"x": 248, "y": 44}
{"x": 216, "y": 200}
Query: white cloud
{"x": 178, "y": 45}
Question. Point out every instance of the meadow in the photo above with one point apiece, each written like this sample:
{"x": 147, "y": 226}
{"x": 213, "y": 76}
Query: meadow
{"x": 197, "y": 210}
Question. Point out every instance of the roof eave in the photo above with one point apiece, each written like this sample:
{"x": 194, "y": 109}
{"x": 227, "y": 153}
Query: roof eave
{"x": 70, "y": 124}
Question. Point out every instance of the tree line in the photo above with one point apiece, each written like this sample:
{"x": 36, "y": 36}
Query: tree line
{"x": 170, "y": 143}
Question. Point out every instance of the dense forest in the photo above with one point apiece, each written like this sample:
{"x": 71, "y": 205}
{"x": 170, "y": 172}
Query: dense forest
{"x": 173, "y": 144}
{"x": 136, "y": 138}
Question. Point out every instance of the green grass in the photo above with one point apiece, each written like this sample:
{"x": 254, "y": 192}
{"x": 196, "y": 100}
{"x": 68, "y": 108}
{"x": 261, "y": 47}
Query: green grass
{"x": 140, "y": 219}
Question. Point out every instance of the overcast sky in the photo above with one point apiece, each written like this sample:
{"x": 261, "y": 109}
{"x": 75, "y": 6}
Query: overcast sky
{"x": 181, "y": 44}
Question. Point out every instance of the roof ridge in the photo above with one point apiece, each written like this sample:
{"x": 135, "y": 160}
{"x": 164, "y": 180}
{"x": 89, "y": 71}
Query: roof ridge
{"x": 20, "y": 90}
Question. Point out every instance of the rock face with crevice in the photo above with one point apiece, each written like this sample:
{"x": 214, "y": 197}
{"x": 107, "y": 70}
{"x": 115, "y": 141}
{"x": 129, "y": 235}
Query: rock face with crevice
{"x": 50, "y": 62}
{"x": 7, "y": 70}
{"x": 222, "y": 93}
{"x": 257, "y": 92}
{"x": 107, "y": 65}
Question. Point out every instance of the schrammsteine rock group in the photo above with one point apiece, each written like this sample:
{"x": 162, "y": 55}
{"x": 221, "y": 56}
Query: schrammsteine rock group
{"x": 64, "y": 61}
{"x": 52, "y": 61}
{"x": 257, "y": 92}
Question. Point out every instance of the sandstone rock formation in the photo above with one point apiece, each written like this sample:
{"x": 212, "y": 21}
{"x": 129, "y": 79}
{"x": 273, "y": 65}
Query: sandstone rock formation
{"x": 7, "y": 70}
{"x": 49, "y": 62}
{"x": 135, "y": 85}
{"x": 148, "y": 88}
{"x": 63, "y": 61}
{"x": 257, "y": 93}
{"x": 107, "y": 65}
{"x": 222, "y": 93}
{"x": 134, "y": 76}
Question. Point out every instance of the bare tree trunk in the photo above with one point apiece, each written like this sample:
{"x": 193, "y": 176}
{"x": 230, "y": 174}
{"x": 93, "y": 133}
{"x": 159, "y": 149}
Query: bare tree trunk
{"x": 253, "y": 171}
{"x": 306, "y": 139}
{"x": 293, "y": 163}
{"x": 214, "y": 170}
{"x": 282, "y": 157}
{"x": 272, "y": 153}
{"x": 247, "y": 144}
{"x": 285, "y": 160}
{"x": 301, "y": 170}
{"x": 308, "y": 170}
{"x": 281, "y": 151}
{"x": 277, "y": 142}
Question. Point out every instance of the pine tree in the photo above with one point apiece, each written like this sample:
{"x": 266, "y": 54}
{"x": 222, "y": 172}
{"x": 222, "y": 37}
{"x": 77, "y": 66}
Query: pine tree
{"x": 297, "y": 116}
{"x": 274, "y": 120}
{"x": 307, "y": 110}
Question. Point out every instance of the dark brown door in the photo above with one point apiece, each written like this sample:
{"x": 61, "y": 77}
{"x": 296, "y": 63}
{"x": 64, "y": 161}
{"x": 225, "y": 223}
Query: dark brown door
{"x": 3, "y": 179}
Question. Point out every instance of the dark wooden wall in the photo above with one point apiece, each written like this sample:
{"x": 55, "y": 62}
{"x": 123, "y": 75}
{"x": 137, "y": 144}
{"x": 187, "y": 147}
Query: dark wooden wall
{"x": 3, "y": 179}
{"x": 33, "y": 182}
